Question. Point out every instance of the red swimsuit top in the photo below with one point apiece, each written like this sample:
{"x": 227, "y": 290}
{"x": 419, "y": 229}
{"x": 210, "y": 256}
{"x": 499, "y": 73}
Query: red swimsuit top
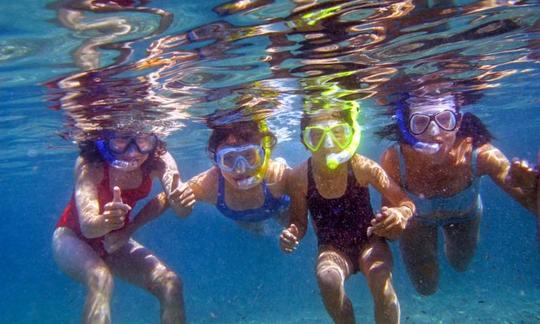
{"x": 70, "y": 216}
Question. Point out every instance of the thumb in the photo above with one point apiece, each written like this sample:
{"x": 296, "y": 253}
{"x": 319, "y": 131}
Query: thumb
{"x": 293, "y": 229}
{"x": 117, "y": 194}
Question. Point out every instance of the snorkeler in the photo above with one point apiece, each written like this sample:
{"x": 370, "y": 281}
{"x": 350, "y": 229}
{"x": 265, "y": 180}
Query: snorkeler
{"x": 245, "y": 184}
{"x": 439, "y": 159}
{"x": 112, "y": 174}
{"x": 333, "y": 186}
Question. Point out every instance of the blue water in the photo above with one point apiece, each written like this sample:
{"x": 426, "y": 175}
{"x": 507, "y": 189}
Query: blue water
{"x": 230, "y": 275}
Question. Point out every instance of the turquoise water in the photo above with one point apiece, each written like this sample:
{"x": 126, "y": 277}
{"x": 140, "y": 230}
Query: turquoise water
{"x": 489, "y": 49}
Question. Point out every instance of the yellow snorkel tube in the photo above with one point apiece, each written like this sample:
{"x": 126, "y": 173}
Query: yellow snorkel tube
{"x": 335, "y": 159}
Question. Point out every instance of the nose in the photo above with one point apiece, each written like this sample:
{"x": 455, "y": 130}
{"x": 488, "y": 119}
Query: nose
{"x": 433, "y": 129}
{"x": 240, "y": 166}
{"x": 328, "y": 143}
{"x": 132, "y": 151}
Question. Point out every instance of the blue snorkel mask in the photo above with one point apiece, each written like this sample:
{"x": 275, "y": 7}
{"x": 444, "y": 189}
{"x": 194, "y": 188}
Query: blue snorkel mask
{"x": 111, "y": 159}
{"x": 427, "y": 148}
{"x": 144, "y": 144}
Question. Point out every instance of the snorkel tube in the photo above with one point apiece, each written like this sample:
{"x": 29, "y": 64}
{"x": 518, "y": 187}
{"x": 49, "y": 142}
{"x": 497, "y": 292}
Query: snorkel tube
{"x": 254, "y": 180}
{"x": 333, "y": 160}
{"x": 423, "y": 147}
{"x": 113, "y": 161}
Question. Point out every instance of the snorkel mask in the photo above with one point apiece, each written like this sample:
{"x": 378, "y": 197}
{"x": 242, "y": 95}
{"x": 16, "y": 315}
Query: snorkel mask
{"x": 345, "y": 136}
{"x": 247, "y": 158}
{"x": 423, "y": 147}
{"x": 145, "y": 144}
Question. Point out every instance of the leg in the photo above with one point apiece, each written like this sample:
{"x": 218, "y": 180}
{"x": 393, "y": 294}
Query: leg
{"x": 333, "y": 268}
{"x": 460, "y": 241}
{"x": 137, "y": 265}
{"x": 418, "y": 246}
{"x": 78, "y": 260}
{"x": 376, "y": 263}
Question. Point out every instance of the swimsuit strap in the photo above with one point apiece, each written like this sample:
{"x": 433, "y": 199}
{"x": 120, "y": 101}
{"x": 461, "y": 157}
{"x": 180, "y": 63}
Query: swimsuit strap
{"x": 402, "y": 175}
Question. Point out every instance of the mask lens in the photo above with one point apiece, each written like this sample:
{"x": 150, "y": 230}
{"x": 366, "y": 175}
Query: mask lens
{"x": 228, "y": 157}
{"x": 314, "y": 137}
{"x": 341, "y": 134}
{"x": 119, "y": 145}
{"x": 146, "y": 143}
{"x": 446, "y": 120}
{"x": 418, "y": 123}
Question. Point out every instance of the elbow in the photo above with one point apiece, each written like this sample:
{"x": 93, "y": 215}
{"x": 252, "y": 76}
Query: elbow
{"x": 89, "y": 231}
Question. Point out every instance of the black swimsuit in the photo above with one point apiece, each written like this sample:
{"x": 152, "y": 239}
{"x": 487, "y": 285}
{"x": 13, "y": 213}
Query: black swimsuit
{"x": 341, "y": 222}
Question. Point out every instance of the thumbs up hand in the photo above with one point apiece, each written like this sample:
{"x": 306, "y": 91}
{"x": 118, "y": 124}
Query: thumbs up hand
{"x": 114, "y": 214}
{"x": 182, "y": 197}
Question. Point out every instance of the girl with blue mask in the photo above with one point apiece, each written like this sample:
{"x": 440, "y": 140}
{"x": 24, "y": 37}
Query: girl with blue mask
{"x": 439, "y": 158}
{"x": 244, "y": 184}
{"x": 92, "y": 241}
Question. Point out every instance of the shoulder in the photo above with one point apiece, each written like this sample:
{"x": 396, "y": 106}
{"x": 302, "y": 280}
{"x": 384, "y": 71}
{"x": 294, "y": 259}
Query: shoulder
{"x": 92, "y": 171}
{"x": 365, "y": 169}
{"x": 490, "y": 158}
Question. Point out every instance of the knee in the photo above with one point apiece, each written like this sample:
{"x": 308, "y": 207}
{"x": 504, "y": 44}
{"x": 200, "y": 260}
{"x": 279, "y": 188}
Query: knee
{"x": 330, "y": 279}
{"x": 166, "y": 285}
{"x": 100, "y": 279}
{"x": 379, "y": 277}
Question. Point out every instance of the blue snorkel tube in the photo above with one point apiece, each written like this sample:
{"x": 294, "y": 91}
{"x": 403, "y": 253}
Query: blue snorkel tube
{"x": 428, "y": 148}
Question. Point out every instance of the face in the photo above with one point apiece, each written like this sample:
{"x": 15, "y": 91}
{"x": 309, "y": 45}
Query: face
{"x": 132, "y": 148}
{"x": 437, "y": 123}
{"x": 239, "y": 160}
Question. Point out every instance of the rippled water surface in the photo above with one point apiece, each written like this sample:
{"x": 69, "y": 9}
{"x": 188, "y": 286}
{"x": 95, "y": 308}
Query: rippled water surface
{"x": 70, "y": 69}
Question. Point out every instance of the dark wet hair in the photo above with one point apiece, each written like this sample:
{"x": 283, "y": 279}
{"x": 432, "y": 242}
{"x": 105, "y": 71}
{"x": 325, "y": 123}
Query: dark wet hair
{"x": 471, "y": 126}
{"x": 245, "y": 131}
{"x": 89, "y": 151}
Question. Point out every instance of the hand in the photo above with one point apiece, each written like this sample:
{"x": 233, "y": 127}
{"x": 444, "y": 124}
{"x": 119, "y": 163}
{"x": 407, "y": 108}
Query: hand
{"x": 277, "y": 172}
{"x": 522, "y": 175}
{"x": 182, "y": 197}
{"x": 115, "y": 240}
{"x": 288, "y": 240}
{"x": 388, "y": 223}
{"x": 115, "y": 212}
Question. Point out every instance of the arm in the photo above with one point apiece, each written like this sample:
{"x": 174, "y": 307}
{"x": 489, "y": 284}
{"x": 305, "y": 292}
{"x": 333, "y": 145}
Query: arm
{"x": 276, "y": 176}
{"x": 390, "y": 221}
{"x": 296, "y": 188}
{"x": 151, "y": 211}
{"x": 93, "y": 221}
{"x": 491, "y": 161}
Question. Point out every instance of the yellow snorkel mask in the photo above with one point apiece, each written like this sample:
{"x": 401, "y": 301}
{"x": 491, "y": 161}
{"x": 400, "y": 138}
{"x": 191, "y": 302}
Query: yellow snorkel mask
{"x": 346, "y": 137}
